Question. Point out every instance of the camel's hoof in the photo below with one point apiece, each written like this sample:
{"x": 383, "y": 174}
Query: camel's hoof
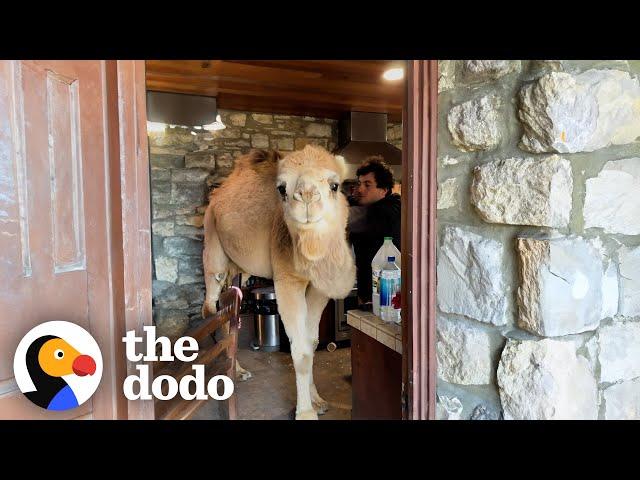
{"x": 244, "y": 375}
{"x": 321, "y": 407}
{"x": 307, "y": 415}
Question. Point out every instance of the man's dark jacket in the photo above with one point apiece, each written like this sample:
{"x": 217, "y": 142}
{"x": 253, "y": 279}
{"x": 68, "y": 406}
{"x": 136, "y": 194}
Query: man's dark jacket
{"x": 367, "y": 228}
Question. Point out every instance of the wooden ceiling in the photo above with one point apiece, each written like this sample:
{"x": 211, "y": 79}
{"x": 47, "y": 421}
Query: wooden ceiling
{"x": 320, "y": 88}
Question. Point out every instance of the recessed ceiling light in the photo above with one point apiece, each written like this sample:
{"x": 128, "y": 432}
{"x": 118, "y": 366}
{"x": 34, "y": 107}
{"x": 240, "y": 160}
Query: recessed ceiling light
{"x": 393, "y": 74}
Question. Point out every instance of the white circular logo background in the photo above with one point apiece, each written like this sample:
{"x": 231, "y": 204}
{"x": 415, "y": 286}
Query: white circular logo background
{"x": 78, "y": 338}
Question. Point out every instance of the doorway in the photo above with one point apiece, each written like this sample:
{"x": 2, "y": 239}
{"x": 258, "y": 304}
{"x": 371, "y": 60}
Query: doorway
{"x": 269, "y": 105}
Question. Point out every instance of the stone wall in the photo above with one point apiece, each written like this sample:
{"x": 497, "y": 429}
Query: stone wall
{"x": 394, "y": 135}
{"x": 184, "y": 168}
{"x": 538, "y": 295}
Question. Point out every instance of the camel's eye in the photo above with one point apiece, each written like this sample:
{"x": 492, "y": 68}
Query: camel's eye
{"x": 283, "y": 190}
{"x": 58, "y": 354}
{"x": 334, "y": 186}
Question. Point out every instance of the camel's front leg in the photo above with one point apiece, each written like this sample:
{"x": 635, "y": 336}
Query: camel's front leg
{"x": 316, "y": 303}
{"x": 293, "y": 311}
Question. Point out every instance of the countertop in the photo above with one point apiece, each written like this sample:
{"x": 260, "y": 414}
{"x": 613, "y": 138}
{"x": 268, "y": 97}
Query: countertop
{"x": 389, "y": 334}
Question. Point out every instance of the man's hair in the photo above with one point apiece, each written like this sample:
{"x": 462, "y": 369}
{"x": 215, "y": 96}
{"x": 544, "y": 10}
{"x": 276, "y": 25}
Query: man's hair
{"x": 381, "y": 172}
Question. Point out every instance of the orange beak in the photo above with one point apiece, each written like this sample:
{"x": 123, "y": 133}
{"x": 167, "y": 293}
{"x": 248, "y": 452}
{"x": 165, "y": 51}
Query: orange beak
{"x": 84, "y": 365}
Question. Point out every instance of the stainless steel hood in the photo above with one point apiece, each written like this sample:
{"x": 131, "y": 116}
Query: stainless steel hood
{"x": 181, "y": 109}
{"x": 363, "y": 134}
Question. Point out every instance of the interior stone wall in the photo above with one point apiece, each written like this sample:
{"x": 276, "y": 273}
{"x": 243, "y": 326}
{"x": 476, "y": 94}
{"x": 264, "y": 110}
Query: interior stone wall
{"x": 185, "y": 166}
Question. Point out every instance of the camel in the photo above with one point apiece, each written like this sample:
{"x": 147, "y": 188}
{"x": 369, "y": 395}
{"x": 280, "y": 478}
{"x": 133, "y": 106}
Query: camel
{"x": 284, "y": 218}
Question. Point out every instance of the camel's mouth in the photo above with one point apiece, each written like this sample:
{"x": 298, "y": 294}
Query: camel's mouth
{"x": 304, "y": 218}
{"x": 308, "y": 223}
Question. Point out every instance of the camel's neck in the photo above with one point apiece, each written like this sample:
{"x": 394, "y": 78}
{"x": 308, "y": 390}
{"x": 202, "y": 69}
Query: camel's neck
{"x": 325, "y": 259}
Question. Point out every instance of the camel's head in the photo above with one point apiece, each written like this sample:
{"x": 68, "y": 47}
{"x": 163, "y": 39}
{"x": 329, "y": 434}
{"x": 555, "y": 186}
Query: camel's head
{"x": 308, "y": 183}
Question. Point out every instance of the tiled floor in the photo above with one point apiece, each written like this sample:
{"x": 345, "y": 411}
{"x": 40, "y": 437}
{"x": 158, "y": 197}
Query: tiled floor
{"x": 271, "y": 393}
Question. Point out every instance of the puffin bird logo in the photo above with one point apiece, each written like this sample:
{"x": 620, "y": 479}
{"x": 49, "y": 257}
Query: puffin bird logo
{"x": 58, "y": 365}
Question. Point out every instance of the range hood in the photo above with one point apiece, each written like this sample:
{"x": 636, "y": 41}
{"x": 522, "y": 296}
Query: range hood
{"x": 181, "y": 109}
{"x": 363, "y": 134}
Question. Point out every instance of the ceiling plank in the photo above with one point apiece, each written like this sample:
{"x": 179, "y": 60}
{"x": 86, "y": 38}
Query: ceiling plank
{"x": 280, "y": 78}
{"x": 368, "y": 70}
{"x": 317, "y": 88}
{"x": 231, "y": 85}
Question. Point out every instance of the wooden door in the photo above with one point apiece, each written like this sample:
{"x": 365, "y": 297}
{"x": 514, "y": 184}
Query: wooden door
{"x": 59, "y": 246}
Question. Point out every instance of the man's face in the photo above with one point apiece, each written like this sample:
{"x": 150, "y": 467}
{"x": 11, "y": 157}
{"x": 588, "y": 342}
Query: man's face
{"x": 367, "y": 191}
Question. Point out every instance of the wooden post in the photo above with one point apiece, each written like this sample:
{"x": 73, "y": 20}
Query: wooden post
{"x": 419, "y": 239}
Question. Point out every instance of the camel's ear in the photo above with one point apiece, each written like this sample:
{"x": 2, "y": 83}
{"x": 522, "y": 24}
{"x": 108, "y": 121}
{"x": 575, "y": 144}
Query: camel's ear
{"x": 257, "y": 156}
{"x": 276, "y": 155}
{"x": 342, "y": 166}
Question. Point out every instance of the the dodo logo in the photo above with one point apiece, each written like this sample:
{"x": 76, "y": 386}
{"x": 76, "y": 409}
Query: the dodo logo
{"x": 58, "y": 365}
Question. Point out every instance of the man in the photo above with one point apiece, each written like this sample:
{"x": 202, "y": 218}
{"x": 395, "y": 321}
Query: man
{"x": 374, "y": 214}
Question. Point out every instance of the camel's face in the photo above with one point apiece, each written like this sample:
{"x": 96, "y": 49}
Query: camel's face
{"x": 309, "y": 185}
{"x": 310, "y": 197}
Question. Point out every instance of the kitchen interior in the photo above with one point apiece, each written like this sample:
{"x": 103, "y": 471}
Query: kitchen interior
{"x": 351, "y": 107}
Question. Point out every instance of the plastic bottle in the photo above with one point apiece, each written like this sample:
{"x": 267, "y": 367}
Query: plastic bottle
{"x": 390, "y": 292}
{"x": 388, "y": 249}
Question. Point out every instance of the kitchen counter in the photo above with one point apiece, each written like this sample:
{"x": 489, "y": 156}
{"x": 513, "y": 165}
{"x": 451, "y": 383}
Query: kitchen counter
{"x": 389, "y": 334}
{"x": 376, "y": 367}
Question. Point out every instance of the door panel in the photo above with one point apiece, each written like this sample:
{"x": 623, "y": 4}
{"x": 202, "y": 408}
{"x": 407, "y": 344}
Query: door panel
{"x": 53, "y": 211}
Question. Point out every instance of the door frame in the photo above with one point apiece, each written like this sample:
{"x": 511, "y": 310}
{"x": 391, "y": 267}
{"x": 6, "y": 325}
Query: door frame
{"x": 132, "y": 255}
{"x": 419, "y": 130}
{"x": 130, "y": 203}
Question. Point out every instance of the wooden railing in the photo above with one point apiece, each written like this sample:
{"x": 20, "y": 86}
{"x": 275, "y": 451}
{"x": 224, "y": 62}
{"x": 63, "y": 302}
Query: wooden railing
{"x": 219, "y": 358}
